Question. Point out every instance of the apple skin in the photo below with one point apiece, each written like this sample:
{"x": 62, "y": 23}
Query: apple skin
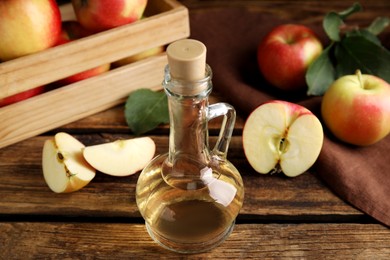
{"x": 100, "y": 15}
{"x": 85, "y": 74}
{"x": 72, "y": 30}
{"x": 280, "y": 136}
{"x": 21, "y": 96}
{"x": 28, "y": 27}
{"x": 356, "y": 109}
{"x": 285, "y": 53}
{"x": 139, "y": 56}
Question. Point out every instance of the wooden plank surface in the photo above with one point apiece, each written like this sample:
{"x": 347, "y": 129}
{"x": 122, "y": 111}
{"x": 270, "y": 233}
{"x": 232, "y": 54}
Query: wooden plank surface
{"x": 303, "y": 11}
{"x": 281, "y": 218}
{"x": 32, "y": 240}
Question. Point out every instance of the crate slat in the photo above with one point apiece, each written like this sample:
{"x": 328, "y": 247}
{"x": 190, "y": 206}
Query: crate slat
{"x": 67, "y": 104}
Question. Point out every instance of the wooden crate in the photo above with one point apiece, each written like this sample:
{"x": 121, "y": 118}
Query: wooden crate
{"x": 165, "y": 22}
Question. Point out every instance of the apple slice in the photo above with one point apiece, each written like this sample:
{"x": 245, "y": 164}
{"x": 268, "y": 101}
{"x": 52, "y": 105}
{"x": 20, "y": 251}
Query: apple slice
{"x": 121, "y": 157}
{"x": 282, "y": 136}
{"x": 64, "y": 167}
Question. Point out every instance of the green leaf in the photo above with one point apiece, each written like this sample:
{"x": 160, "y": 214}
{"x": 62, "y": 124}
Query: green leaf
{"x": 357, "y": 52}
{"x": 145, "y": 110}
{"x": 333, "y": 21}
{"x": 378, "y": 25}
{"x": 331, "y": 25}
{"x": 320, "y": 73}
{"x": 366, "y": 34}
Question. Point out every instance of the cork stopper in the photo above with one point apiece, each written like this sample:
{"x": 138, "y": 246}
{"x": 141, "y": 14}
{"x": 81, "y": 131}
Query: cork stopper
{"x": 187, "y": 59}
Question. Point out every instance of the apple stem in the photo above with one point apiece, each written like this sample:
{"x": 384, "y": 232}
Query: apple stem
{"x": 360, "y": 78}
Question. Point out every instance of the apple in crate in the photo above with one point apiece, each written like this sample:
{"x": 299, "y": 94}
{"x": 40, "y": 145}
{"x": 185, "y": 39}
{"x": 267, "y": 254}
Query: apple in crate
{"x": 140, "y": 56}
{"x": 72, "y": 30}
{"x": 121, "y": 157}
{"x": 27, "y": 27}
{"x": 285, "y": 54}
{"x": 282, "y": 136}
{"x": 356, "y": 109}
{"x": 100, "y": 15}
{"x": 21, "y": 96}
{"x": 64, "y": 167}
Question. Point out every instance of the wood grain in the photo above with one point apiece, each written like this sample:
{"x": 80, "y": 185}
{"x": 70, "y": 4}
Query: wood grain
{"x": 304, "y": 11}
{"x": 32, "y": 240}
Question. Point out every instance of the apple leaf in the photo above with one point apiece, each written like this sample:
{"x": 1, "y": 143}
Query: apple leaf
{"x": 366, "y": 34}
{"x": 333, "y": 21}
{"x": 320, "y": 73}
{"x": 357, "y": 52}
{"x": 331, "y": 24}
{"x": 355, "y": 49}
{"x": 378, "y": 25}
{"x": 145, "y": 110}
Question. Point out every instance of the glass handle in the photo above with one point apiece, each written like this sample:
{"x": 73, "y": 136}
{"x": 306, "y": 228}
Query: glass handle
{"x": 229, "y": 118}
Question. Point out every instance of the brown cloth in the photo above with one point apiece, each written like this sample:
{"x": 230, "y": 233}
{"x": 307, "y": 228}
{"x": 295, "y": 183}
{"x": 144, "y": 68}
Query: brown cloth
{"x": 359, "y": 175}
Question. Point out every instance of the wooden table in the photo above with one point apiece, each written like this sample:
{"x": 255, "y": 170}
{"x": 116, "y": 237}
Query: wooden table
{"x": 281, "y": 217}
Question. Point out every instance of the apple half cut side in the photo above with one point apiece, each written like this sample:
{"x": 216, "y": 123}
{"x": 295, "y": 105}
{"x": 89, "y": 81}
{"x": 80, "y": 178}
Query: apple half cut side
{"x": 282, "y": 136}
{"x": 64, "y": 167}
{"x": 121, "y": 157}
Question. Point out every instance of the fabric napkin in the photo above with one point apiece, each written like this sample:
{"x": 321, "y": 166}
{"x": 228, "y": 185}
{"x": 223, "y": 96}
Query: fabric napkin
{"x": 359, "y": 175}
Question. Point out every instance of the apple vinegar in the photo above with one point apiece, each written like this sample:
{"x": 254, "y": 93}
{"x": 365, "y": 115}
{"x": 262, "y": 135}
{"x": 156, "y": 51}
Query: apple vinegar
{"x": 191, "y": 196}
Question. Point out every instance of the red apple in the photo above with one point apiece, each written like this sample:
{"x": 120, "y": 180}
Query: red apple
{"x": 356, "y": 109}
{"x": 282, "y": 136}
{"x": 100, "y": 15}
{"x": 139, "y": 56}
{"x": 72, "y": 30}
{"x": 27, "y": 27}
{"x": 285, "y": 54}
{"x": 21, "y": 96}
{"x": 85, "y": 74}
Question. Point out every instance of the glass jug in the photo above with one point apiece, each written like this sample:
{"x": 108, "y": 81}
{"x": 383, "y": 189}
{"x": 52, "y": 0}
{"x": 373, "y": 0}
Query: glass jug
{"x": 191, "y": 196}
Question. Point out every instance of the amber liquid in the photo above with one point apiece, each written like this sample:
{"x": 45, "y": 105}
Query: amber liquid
{"x": 183, "y": 212}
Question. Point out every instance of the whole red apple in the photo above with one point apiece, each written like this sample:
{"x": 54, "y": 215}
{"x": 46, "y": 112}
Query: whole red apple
{"x": 21, "y": 96}
{"x": 285, "y": 54}
{"x": 356, "y": 109}
{"x": 100, "y": 15}
{"x": 72, "y": 30}
{"x": 27, "y": 27}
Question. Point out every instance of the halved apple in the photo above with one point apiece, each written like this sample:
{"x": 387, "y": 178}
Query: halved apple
{"x": 121, "y": 157}
{"x": 282, "y": 136}
{"x": 64, "y": 167}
